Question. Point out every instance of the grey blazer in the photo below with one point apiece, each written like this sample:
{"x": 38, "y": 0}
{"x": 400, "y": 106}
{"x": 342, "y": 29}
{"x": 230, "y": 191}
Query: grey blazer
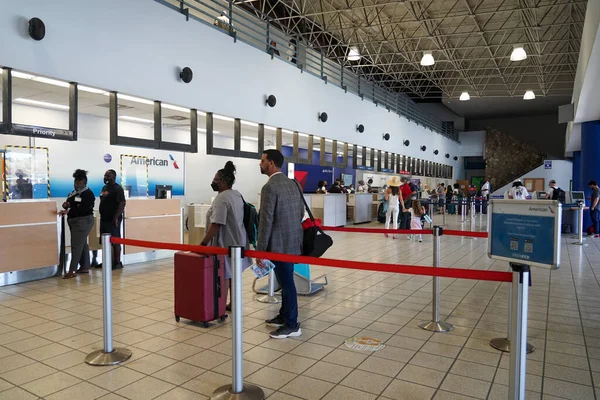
{"x": 281, "y": 212}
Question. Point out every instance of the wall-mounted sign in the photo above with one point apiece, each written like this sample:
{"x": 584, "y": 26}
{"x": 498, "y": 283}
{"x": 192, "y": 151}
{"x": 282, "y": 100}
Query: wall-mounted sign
{"x": 526, "y": 232}
{"x": 401, "y": 172}
{"x": 365, "y": 168}
{"x": 547, "y": 164}
{"x": 39, "y": 131}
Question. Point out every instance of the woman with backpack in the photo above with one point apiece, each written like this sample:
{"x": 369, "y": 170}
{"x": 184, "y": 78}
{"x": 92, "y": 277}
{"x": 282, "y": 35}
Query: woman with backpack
{"x": 225, "y": 218}
{"x": 392, "y": 196}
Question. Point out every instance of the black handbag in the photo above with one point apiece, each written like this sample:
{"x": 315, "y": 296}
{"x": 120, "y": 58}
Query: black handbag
{"x": 316, "y": 242}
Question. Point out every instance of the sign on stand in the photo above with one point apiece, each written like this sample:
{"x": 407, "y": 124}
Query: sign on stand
{"x": 526, "y": 232}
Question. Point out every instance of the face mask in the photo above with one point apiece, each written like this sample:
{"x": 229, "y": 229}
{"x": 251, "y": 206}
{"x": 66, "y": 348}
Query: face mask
{"x": 214, "y": 187}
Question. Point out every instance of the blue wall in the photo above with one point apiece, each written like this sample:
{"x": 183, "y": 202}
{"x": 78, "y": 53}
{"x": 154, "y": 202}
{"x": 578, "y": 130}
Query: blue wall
{"x": 590, "y": 163}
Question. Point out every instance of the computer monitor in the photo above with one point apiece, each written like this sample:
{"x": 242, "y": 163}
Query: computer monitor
{"x": 577, "y": 196}
{"x": 540, "y": 195}
{"x": 163, "y": 191}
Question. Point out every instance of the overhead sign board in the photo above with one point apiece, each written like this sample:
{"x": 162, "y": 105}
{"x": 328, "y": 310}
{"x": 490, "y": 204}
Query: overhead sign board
{"x": 526, "y": 232}
{"x": 39, "y": 132}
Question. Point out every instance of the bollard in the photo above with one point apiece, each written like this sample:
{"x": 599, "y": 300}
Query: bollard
{"x": 237, "y": 390}
{"x": 473, "y": 223}
{"x": 463, "y": 209}
{"x": 518, "y": 336}
{"x": 430, "y": 211}
{"x": 435, "y": 325}
{"x": 444, "y": 217}
{"x": 109, "y": 355}
{"x": 503, "y": 344}
{"x": 579, "y": 241}
{"x": 181, "y": 225}
{"x": 63, "y": 254}
{"x": 270, "y": 297}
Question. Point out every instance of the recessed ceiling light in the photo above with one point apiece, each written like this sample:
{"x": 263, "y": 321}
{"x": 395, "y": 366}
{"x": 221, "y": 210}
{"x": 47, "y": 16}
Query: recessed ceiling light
{"x": 175, "y": 108}
{"x": 49, "y": 81}
{"x": 529, "y": 95}
{"x": 427, "y": 59}
{"x": 518, "y": 54}
{"x": 464, "y": 96}
{"x": 354, "y": 54}
{"x": 135, "y": 119}
{"x": 44, "y": 104}
{"x": 134, "y": 99}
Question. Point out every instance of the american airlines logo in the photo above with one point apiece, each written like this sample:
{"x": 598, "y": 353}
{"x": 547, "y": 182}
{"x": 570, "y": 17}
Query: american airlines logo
{"x": 157, "y": 162}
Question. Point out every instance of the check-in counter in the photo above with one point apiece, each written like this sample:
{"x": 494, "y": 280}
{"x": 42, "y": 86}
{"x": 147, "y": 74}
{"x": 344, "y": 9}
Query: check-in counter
{"x": 330, "y": 208}
{"x": 196, "y": 222}
{"x": 155, "y": 220}
{"x": 28, "y": 240}
{"x": 360, "y": 207}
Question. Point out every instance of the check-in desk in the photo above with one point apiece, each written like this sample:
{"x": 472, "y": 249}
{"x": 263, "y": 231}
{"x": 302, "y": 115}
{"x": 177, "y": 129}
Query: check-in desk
{"x": 196, "y": 222}
{"x": 29, "y": 245}
{"x": 330, "y": 208}
{"x": 360, "y": 207}
{"x": 155, "y": 220}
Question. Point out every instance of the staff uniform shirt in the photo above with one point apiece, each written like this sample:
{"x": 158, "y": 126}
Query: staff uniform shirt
{"x": 595, "y": 195}
{"x": 82, "y": 204}
{"x": 110, "y": 197}
{"x": 519, "y": 193}
{"x": 227, "y": 211}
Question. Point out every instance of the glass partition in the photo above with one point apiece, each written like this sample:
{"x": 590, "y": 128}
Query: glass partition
{"x": 27, "y": 172}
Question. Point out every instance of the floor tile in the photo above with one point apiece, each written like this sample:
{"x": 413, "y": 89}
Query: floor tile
{"x": 179, "y": 373}
{"x": 144, "y": 389}
{"x": 181, "y": 394}
{"x": 308, "y": 388}
{"x": 51, "y": 384}
{"x": 422, "y": 376}
{"x": 82, "y": 390}
{"x": 402, "y": 390}
{"x": 18, "y": 394}
{"x": 150, "y": 364}
{"x": 467, "y": 386}
{"x": 346, "y": 393}
{"x": 366, "y": 381}
{"x": 271, "y": 378}
{"x": 116, "y": 379}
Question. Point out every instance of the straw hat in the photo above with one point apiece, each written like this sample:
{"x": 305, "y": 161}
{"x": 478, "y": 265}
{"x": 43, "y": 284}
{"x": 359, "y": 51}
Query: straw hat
{"x": 395, "y": 181}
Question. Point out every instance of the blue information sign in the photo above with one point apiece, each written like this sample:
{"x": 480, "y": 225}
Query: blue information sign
{"x": 526, "y": 232}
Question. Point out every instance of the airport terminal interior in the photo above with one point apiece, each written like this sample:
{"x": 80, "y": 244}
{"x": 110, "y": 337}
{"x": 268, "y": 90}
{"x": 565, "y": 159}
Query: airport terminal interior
{"x": 449, "y": 148}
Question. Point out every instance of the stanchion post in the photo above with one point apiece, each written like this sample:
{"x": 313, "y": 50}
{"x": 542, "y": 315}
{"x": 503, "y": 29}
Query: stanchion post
{"x": 503, "y": 344}
{"x": 518, "y": 335}
{"x": 270, "y": 297}
{"x": 109, "y": 355}
{"x": 463, "y": 209}
{"x": 435, "y": 325}
{"x": 63, "y": 252}
{"x": 237, "y": 390}
{"x": 580, "y": 207}
{"x": 431, "y": 210}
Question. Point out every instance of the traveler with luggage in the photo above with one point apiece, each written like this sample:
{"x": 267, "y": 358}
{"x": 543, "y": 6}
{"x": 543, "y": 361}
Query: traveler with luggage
{"x": 518, "y": 191}
{"x": 225, "y": 219}
{"x": 555, "y": 193}
{"x": 408, "y": 192}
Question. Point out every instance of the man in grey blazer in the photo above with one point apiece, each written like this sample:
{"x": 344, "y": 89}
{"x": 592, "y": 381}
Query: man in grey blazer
{"x": 280, "y": 231}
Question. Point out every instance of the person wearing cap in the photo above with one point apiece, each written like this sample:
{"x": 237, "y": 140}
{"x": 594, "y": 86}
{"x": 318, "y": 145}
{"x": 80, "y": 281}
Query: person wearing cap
{"x": 550, "y": 192}
{"x": 518, "y": 191}
{"x": 392, "y": 196}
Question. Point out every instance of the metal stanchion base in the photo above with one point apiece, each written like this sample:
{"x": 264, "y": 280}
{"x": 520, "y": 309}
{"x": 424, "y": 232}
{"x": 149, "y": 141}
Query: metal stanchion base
{"x": 269, "y": 299}
{"x": 503, "y": 344}
{"x": 438, "y": 326}
{"x": 99, "y": 357}
{"x": 250, "y": 392}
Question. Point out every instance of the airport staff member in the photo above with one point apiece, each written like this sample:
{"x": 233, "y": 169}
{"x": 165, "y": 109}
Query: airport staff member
{"x": 280, "y": 231}
{"x": 112, "y": 205}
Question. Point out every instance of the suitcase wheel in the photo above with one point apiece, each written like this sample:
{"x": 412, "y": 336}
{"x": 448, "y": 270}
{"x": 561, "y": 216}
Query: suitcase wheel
{"x": 177, "y": 318}
{"x": 223, "y": 318}
{"x": 205, "y": 324}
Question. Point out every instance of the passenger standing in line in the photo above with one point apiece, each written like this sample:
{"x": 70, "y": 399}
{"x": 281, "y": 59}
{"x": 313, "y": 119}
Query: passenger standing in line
{"x": 551, "y": 189}
{"x": 518, "y": 191}
{"x": 336, "y": 188}
{"x": 79, "y": 208}
{"x": 280, "y": 231}
{"x": 416, "y": 212}
{"x": 225, "y": 219}
{"x": 595, "y": 207}
{"x": 408, "y": 193}
{"x": 392, "y": 196}
{"x": 441, "y": 190}
{"x": 362, "y": 187}
{"x": 112, "y": 205}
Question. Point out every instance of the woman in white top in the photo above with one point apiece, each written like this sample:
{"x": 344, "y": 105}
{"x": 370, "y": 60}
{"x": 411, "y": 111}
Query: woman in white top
{"x": 518, "y": 191}
{"x": 392, "y": 196}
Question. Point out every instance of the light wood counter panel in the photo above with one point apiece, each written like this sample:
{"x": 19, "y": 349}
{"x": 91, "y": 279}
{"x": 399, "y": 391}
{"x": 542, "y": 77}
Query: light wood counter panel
{"x": 27, "y": 212}
{"x": 162, "y": 229}
{"x": 28, "y": 247}
{"x": 151, "y": 207}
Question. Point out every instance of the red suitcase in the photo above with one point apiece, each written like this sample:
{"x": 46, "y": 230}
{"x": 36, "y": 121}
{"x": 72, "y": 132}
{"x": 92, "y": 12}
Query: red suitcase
{"x": 200, "y": 289}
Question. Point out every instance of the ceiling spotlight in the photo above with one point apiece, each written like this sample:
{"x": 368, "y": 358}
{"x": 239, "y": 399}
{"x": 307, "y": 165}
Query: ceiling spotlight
{"x": 360, "y": 128}
{"x": 427, "y": 59}
{"x": 529, "y": 95}
{"x": 406, "y": 143}
{"x": 186, "y": 74}
{"x": 354, "y": 54}
{"x": 464, "y": 96}
{"x": 423, "y": 148}
{"x": 323, "y": 117}
{"x": 518, "y": 54}
{"x": 436, "y": 152}
{"x": 455, "y": 158}
{"x": 447, "y": 155}
{"x": 386, "y": 136}
{"x": 271, "y": 100}
{"x": 37, "y": 29}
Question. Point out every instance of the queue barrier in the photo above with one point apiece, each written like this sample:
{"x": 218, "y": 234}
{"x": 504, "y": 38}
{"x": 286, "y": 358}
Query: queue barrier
{"x": 519, "y": 279}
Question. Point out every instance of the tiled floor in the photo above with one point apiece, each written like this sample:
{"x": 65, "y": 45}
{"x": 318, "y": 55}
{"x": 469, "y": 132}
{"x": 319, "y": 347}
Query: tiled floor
{"x": 47, "y": 328}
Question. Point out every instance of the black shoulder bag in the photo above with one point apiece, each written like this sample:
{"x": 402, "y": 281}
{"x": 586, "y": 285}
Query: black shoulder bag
{"x": 316, "y": 242}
